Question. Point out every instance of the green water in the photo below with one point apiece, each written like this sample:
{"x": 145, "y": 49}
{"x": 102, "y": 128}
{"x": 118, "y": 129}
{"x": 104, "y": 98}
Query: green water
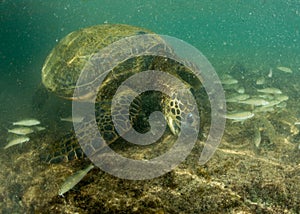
{"x": 259, "y": 31}
{"x": 256, "y": 35}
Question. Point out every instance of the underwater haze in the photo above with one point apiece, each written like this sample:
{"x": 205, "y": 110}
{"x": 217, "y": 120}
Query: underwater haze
{"x": 254, "y": 47}
{"x": 263, "y": 32}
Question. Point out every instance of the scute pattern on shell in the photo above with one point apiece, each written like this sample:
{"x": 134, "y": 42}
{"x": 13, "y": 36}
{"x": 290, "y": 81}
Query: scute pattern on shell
{"x": 65, "y": 62}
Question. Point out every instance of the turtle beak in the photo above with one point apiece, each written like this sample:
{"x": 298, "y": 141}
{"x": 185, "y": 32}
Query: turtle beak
{"x": 173, "y": 125}
{"x": 189, "y": 124}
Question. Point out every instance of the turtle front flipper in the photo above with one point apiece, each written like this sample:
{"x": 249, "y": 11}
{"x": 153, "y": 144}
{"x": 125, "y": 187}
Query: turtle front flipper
{"x": 69, "y": 148}
{"x": 64, "y": 150}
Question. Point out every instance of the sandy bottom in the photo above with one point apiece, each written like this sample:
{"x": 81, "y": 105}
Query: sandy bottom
{"x": 241, "y": 177}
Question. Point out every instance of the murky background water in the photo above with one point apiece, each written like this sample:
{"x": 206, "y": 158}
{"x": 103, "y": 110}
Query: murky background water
{"x": 263, "y": 33}
{"x": 245, "y": 40}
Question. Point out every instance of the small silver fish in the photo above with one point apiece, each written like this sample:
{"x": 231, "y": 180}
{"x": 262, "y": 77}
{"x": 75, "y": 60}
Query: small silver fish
{"x": 270, "y": 74}
{"x": 27, "y": 122}
{"x": 257, "y": 138}
{"x": 285, "y": 69}
{"x": 227, "y": 76}
{"x": 270, "y": 90}
{"x": 39, "y": 128}
{"x": 272, "y": 103}
{"x": 229, "y": 81}
{"x": 72, "y": 119}
{"x": 237, "y": 98}
{"x": 255, "y": 102}
{"x": 241, "y": 90}
{"x": 281, "y": 97}
{"x": 21, "y": 130}
{"x": 266, "y": 96}
{"x": 239, "y": 116}
{"x": 281, "y": 105}
{"x": 16, "y": 141}
{"x": 260, "y": 81}
{"x": 263, "y": 109}
{"x": 74, "y": 179}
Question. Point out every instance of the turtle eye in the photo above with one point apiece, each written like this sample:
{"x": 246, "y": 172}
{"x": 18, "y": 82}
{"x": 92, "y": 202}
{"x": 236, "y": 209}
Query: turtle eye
{"x": 190, "y": 118}
{"x": 140, "y": 33}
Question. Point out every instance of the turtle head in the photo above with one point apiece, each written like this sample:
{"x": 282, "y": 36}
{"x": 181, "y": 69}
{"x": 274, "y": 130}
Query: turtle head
{"x": 179, "y": 115}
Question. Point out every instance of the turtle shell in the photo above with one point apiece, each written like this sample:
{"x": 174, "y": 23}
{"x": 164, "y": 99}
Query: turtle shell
{"x": 66, "y": 61}
{"x": 88, "y": 50}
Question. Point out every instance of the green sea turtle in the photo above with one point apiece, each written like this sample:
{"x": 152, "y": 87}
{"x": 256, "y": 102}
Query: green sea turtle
{"x": 64, "y": 64}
